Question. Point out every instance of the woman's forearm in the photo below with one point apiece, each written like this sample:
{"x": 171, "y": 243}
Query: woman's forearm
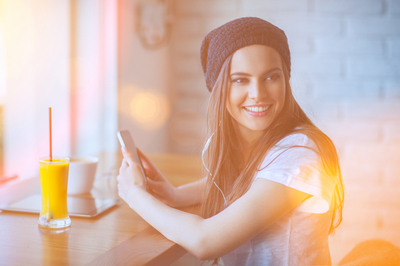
{"x": 178, "y": 226}
{"x": 190, "y": 194}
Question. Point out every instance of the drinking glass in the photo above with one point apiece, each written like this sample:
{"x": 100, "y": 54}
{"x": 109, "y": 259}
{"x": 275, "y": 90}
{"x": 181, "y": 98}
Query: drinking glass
{"x": 54, "y": 184}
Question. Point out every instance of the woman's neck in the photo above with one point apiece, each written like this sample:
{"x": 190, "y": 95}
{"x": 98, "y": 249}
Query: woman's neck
{"x": 246, "y": 136}
{"x": 246, "y": 141}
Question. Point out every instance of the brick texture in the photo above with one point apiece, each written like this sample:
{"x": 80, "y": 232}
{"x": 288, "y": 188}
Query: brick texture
{"x": 376, "y": 67}
{"x": 192, "y": 87}
{"x": 392, "y": 174}
{"x": 314, "y": 65}
{"x": 393, "y": 7}
{"x": 391, "y": 89}
{"x": 373, "y": 153}
{"x": 363, "y": 175}
{"x": 307, "y": 26}
{"x": 188, "y": 26}
{"x": 359, "y": 132}
{"x": 394, "y": 48}
{"x": 373, "y": 197}
{"x": 366, "y": 217}
{"x": 300, "y": 45}
{"x": 346, "y": 88}
{"x": 188, "y": 47}
{"x": 352, "y": 7}
{"x": 372, "y": 110}
{"x": 392, "y": 133}
{"x": 202, "y": 7}
{"x": 370, "y": 26}
{"x": 282, "y": 6}
{"x": 350, "y": 46}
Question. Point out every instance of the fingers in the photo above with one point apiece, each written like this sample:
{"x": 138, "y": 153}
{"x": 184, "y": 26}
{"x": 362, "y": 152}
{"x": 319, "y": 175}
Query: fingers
{"x": 121, "y": 181}
{"x": 153, "y": 185}
{"x": 150, "y": 170}
{"x": 147, "y": 172}
{"x": 158, "y": 191}
{"x": 156, "y": 187}
{"x": 121, "y": 188}
{"x": 123, "y": 167}
{"x": 128, "y": 156}
{"x": 124, "y": 163}
{"x": 145, "y": 161}
{"x": 141, "y": 155}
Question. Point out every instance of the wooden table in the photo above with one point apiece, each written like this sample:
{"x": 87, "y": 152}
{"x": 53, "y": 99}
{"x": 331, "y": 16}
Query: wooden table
{"x": 117, "y": 237}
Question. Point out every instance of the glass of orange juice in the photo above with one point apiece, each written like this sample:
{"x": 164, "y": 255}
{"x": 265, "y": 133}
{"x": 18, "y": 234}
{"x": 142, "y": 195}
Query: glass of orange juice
{"x": 54, "y": 184}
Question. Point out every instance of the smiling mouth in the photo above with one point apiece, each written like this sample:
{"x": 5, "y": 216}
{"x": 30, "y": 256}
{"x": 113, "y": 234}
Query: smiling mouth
{"x": 257, "y": 111}
{"x": 260, "y": 109}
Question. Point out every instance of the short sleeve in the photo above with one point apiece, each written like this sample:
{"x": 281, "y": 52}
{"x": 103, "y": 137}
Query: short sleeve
{"x": 294, "y": 162}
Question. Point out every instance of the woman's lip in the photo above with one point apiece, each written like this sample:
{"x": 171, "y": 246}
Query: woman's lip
{"x": 257, "y": 105}
{"x": 258, "y": 114}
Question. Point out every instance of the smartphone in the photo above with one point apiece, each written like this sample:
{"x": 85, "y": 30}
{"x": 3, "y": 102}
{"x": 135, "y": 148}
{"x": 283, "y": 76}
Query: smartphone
{"x": 125, "y": 139}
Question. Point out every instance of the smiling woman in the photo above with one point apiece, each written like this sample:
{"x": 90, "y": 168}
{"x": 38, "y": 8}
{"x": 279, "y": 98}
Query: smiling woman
{"x": 273, "y": 191}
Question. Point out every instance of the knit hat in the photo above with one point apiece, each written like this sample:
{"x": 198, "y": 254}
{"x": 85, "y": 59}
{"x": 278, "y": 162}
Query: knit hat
{"x": 238, "y": 33}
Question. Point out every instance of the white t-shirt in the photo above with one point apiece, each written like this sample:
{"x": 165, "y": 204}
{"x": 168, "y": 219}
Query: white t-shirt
{"x": 300, "y": 237}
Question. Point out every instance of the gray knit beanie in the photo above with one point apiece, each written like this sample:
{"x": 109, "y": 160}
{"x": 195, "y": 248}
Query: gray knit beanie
{"x": 238, "y": 33}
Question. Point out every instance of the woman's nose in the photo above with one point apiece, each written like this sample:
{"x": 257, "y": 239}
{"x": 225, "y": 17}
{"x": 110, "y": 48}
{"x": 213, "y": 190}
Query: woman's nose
{"x": 257, "y": 91}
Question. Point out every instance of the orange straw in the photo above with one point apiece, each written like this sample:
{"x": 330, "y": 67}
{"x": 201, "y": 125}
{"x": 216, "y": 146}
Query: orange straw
{"x": 51, "y": 155}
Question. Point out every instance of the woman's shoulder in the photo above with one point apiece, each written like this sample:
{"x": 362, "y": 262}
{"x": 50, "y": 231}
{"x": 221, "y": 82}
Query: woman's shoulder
{"x": 295, "y": 139}
{"x": 293, "y": 147}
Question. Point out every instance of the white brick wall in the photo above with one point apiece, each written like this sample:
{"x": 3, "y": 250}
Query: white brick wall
{"x": 306, "y": 25}
{"x": 282, "y": 6}
{"x": 394, "y": 47}
{"x": 392, "y": 174}
{"x": 207, "y": 8}
{"x": 301, "y": 45}
{"x": 349, "y": 46}
{"x": 371, "y": 174}
{"x": 316, "y": 65}
{"x": 391, "y": 88}
{"x": 346, "y": 76}
{"x": 373, "y": 66}
{"x": 393, "y": 7}
{"x": 373, "y": 26}
{"x": 392, "y": 133}
{"x": 349, "y": 7}
{"x": 350, "y": 89}
{"x": 373, "y": 110}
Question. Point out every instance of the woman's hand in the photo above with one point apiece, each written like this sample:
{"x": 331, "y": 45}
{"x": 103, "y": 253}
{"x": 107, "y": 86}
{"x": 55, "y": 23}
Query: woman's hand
{"x": 130, "y": 177}
{"x": 157, "y": 184}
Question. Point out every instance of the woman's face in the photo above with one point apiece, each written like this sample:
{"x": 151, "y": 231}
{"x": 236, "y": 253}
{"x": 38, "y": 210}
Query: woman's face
{"x": 257, "y": 91}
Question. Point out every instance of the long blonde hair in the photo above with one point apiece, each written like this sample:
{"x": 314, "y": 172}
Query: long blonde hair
{"x": 230, "y": 170}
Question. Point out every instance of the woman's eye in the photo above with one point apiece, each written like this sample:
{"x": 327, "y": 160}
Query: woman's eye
{"x": 272, "y": 77}
{"x": 239, "y": 81}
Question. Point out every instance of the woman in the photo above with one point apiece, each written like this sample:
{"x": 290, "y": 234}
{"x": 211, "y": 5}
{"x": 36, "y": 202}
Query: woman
{"x": 273, "y": 191}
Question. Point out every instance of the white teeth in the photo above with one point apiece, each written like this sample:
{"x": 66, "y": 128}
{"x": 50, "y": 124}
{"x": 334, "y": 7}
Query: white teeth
{"x": 257, "y": 109}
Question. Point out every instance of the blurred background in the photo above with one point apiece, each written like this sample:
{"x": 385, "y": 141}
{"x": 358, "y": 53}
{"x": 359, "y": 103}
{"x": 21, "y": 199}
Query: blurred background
{"x": 105, "y": 65}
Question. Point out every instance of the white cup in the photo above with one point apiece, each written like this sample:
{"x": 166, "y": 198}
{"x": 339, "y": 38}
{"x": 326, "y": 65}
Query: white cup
{"x": 82, "y": 171}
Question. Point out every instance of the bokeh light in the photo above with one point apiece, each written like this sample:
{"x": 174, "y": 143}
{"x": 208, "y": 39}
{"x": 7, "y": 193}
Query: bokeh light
{"x": 149, "y": 109}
